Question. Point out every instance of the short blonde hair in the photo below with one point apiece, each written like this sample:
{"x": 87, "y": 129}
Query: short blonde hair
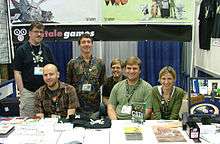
{"x": 167, "y": 69}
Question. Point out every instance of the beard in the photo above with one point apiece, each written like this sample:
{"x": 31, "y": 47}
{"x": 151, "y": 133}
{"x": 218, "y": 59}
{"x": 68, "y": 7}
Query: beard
{"x": 51, "y": 85}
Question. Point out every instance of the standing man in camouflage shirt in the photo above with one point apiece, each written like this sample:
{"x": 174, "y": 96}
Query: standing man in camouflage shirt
{"x": 86, "y": 74}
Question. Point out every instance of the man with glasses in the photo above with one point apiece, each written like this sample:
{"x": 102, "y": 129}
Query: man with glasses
{"x": 28, "y": 67}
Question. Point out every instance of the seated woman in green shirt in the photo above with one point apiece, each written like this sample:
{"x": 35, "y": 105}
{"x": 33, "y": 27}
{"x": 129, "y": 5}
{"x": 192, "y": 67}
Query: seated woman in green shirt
{"x": 167, "y": 98}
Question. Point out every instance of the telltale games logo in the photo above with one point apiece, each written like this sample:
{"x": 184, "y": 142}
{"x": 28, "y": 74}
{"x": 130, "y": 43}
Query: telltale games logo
{"x": 20, "y": 33}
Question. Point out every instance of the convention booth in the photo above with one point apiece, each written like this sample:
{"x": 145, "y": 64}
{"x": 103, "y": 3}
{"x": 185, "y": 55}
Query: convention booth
{"x": 115, "y": 21}
{"x": 107, "y": 21}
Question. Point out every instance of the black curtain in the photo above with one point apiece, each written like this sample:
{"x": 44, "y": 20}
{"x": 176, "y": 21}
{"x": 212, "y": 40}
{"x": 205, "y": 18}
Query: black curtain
{"x": 62, "y": 52}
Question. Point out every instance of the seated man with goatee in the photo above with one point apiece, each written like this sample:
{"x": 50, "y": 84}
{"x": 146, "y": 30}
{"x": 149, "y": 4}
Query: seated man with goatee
{"x": 55, "y": 98}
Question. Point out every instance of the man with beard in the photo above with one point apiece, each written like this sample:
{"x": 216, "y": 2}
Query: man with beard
{"x": 130, "y": 92}
{"x": 28, "y": 67}
{"x": 117, "y": 69}
{"x": 55, "y": 98}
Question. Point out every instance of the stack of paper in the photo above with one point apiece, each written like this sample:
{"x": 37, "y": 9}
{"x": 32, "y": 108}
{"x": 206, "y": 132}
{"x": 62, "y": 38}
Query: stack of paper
{"x": 5, "y": 130}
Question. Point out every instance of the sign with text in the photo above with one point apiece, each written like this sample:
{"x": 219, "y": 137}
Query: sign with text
{"x": 68, "y": 12}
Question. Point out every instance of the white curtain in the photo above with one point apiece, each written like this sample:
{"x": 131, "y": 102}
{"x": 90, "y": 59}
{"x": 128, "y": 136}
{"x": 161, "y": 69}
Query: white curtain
{"x": 107, "y": 50}
{"x": 187, "y": 57}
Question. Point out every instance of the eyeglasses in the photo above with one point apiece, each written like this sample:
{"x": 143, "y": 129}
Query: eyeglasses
{"x": 36, "y": 31}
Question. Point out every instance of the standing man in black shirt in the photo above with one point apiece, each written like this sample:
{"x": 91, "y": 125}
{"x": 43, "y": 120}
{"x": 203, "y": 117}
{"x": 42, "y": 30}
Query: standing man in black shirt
{"x": 28, "y": 67}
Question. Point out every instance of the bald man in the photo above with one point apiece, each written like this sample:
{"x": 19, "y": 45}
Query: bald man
{"x": 55, "y": 98}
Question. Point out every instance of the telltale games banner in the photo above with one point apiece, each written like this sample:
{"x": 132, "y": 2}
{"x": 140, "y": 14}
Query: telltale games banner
{"x": 103, "y": 19}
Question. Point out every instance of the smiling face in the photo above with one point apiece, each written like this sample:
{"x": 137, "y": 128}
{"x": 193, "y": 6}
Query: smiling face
{"x": 36, "y": 36}
{"x": 132, "y": 69}
{"x": 132, "y": 72}
{"x": 86, "y": 46}
{"x": 50, "y": 75}
{"x": 116, "y": 70}
{"x": 167, "y": 81}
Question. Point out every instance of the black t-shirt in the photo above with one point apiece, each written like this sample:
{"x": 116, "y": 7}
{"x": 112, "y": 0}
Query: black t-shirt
{"x": 108, "y": 85}
{"x": 206, "y": 17}
{"x": 24, "y": 62}
{"x": 216, "y": 28}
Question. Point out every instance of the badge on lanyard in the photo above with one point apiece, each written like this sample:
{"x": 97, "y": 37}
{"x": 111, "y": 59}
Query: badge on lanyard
{"x": 38, "y": 70}
{"x": 126, "y": 109}
{"x": 87, "y": 87}
{"x": 55, "y": 116}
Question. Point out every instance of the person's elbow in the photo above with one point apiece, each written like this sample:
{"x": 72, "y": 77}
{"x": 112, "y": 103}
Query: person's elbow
{"x": 111, "y": 112}
{"x": 148, "y": 113}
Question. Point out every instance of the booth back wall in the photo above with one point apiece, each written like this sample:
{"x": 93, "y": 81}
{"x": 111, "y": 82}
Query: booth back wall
{"x": 157, "y": 54}
{"x": 154, "y": 56}
{"x": 62, "y": 52}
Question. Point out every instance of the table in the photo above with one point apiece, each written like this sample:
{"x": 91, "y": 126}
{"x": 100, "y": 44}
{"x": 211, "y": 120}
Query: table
{"x": 117, "y": 135}
{"x": 48, "y": 131}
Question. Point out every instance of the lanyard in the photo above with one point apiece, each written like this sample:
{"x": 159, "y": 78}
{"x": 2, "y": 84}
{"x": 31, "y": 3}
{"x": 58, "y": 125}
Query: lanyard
{"x": 129, "y": 93}
{"x": 37, "y": 58}
{"x": 88, "y": 69}
{"x": 165, "y": 104}
{"x": 55, "y": 96}
{"x": 55, "y": 103}
{"x": 165, "y": 109}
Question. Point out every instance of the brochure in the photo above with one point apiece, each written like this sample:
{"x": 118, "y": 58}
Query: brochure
{"x": 5, "y": 130}
{"x": 133, "y": 133}
{"x": 166, "y": 134}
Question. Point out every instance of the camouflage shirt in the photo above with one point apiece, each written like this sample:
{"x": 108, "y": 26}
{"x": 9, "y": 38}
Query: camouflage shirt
{"x": 80, "y": 73}
{"x": 56, "y": 102}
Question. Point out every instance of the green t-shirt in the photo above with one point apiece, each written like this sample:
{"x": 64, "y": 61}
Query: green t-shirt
{"x": 123, "y": 94}
{"x": 173, "y": 106}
